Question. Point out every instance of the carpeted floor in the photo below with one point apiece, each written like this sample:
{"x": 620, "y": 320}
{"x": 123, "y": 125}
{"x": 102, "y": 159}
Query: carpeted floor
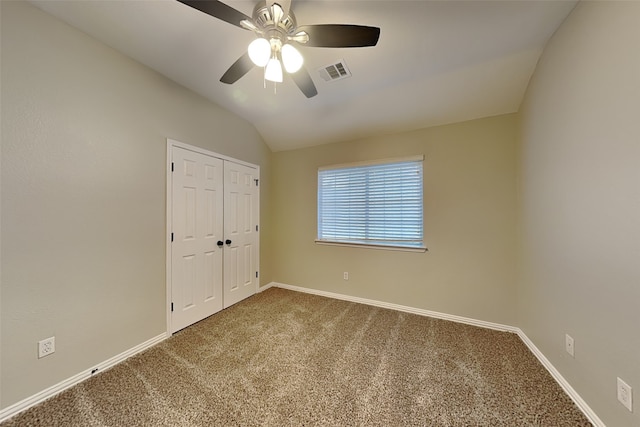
{"x": 283, "y": 358}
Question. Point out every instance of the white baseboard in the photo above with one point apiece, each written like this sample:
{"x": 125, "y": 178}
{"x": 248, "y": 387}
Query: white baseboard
{"x": 265, "y": 287}
{"x": 582, "y": 405}
{"x": 397, "y": 307}
{"x": 27, "y": 403}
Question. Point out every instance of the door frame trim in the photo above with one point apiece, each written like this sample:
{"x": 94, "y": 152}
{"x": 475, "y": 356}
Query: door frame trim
{"x": 171, "y": 143}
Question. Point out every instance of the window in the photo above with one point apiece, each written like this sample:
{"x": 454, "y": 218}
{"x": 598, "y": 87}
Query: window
{"x": 374, "y": 204}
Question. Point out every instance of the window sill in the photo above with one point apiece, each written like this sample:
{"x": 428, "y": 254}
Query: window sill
{"x": 372, "y": 246}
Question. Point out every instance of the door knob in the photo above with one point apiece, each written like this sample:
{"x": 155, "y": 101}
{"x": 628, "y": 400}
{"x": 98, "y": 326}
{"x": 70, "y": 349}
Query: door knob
{"x": 220, "y": 243}
{"x": 228, "y": 242}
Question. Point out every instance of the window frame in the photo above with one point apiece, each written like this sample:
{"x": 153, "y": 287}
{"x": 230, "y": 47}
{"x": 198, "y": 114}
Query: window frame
{"x": 361, "y": 244}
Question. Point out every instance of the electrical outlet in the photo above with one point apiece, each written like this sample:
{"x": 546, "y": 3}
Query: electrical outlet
{"x": 625, "y": 395}
{"x": 345, "y": 275}
{"x": 46, "y": 347}
{"x": 568, "y": 344}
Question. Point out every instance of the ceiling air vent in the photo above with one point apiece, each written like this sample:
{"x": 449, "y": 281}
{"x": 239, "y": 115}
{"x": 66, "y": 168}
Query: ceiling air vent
{"x": 337, "y": 71}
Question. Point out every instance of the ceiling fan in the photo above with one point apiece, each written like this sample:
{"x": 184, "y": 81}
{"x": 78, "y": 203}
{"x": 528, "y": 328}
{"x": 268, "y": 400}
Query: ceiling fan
{"x": 276, "y": 29}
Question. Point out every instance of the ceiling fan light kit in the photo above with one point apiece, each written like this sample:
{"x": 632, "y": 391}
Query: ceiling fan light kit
{"x": 276, "y": 29}
{"x": 268, "y": 53}
{"x": 272, "y": 26}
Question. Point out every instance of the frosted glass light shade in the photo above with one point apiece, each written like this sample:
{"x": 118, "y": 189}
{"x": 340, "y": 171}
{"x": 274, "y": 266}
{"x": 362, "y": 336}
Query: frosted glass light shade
{"x": 259, "y": 51}
{"x": 291, "y": 58}
{"x": 273, "y": 71}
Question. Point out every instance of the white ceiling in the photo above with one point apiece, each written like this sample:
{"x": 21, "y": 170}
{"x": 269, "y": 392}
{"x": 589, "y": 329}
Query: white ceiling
{"x": 437, "y": 62}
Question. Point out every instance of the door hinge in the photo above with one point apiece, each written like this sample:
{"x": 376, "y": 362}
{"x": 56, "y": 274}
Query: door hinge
{"x": 256, "y": 274}
{"x": 256, "y": 180}
{"x": 171, "y": 166}
{"x": 172, "y": 237}
{"x": 256, "y": 228}
{"x": 171, "y": 307}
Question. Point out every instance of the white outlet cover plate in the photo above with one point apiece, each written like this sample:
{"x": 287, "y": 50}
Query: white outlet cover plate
{"x": 625, "y": 394}
{"x": 46, "y": 347}
{"x": 569, "y": 344}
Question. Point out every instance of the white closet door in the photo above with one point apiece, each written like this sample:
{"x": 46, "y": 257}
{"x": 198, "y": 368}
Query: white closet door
{"x": 196, "y": 257}
{"x": 241, "y": 219}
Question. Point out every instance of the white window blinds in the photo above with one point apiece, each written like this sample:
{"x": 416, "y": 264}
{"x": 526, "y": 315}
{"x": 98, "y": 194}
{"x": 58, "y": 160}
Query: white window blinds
{"x": 373, "y": 204}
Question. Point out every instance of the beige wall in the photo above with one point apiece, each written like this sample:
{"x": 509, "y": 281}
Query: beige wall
{"x": 83, "y": 196}
{"x": 580, "y": 193}
{"x": 83, "y": 215}
{"x": 470, "y": 201}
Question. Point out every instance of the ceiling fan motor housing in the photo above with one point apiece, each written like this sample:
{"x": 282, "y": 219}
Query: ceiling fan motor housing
{"x": 264, "y": 19}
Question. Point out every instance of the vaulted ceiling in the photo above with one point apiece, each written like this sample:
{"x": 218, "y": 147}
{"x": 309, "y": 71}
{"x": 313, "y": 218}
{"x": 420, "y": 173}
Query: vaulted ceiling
{"x": 436, "y": 62}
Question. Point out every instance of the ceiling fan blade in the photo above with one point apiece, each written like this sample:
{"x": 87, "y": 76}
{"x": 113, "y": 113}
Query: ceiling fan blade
{"x": 218, "y": 10}
{"x": 238, "y": 69}
{"x": 340, "y": 35}
{"x": 304, "y": 82}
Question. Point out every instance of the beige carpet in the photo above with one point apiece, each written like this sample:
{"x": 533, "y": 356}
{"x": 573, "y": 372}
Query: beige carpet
{"x": 283, "y": 358}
